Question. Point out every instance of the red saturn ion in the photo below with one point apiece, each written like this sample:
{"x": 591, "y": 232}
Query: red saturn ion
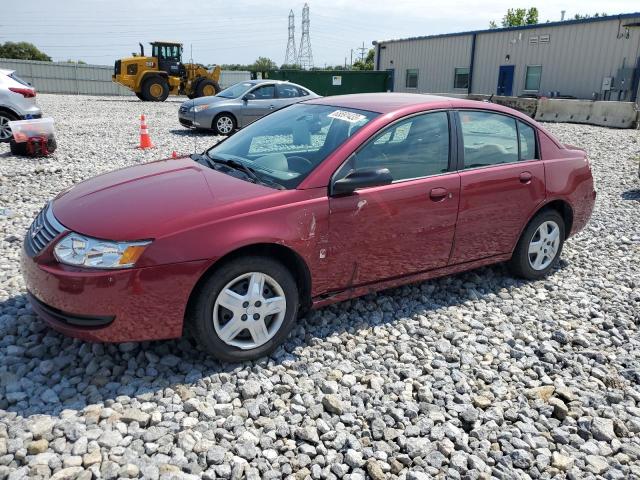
{"x": 319, "y": 202}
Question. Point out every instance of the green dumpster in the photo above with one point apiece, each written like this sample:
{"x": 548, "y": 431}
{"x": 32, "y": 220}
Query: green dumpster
{"x": 334, "y": 82}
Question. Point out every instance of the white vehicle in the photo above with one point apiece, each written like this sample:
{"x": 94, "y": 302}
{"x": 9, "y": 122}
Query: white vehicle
{"x": 17, "y": 102}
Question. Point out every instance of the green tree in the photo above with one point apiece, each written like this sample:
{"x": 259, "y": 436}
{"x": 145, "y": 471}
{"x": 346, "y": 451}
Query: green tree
{"x": 368, "y": 61}
{"x": 293, "y": 66}
{"x": 518, "y": 17}
{"x": 79, "y": 62}
{"x": 579, "y": 16}
{"x": 262, "y": 64}
{"x": 22, "y": 51}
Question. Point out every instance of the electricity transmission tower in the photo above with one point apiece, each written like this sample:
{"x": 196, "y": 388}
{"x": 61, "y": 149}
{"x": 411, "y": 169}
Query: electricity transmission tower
{"x": 305, "y": 56}
{"x": 291, "y": 57}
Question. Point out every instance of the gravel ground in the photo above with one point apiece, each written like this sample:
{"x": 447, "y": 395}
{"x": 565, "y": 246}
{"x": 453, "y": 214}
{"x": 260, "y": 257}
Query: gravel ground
{"x": 473, "y": 376}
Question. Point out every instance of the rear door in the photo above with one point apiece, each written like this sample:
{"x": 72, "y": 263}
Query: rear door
{"x": 402, "y": 228}
{"x": 502, "y": 183}
{"x": 286, "y": 94}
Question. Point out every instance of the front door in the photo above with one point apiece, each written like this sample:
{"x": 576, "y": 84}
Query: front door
{"x": 257, "y": 107}
{"x": 505, "y": 80}
{"x": 390, "y": 79}
{"x": 406, "y": 227}
{"x": 502, "y": 184}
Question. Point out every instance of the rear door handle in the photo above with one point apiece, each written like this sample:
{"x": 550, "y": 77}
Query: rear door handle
{"x": 525, "y": 177}
{"x": 272, "y": 107}
{"x": 438, "y": 194}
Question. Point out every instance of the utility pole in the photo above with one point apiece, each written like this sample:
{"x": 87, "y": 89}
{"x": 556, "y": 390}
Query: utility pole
{"x": 291, "y": 57}
{"x": 362, "y": 49}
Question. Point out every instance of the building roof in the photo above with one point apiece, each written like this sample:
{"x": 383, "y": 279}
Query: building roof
{"x": 563, "y": 23}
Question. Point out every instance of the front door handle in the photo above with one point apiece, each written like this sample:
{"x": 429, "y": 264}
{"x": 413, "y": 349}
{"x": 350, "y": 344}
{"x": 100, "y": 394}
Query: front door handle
{"x": 525, "y": 177}
{"x": 438, "y": 194}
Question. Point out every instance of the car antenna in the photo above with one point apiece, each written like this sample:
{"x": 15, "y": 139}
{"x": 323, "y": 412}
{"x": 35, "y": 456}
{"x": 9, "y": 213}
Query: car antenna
{"x": 195, "y": 136}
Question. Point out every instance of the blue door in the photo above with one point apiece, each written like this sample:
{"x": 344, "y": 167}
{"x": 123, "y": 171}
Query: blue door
{"x": 390, "y": 79}
{"x": 505, "y": 80}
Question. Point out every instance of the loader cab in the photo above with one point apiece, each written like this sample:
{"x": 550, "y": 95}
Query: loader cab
{"x": 169, "y": 56}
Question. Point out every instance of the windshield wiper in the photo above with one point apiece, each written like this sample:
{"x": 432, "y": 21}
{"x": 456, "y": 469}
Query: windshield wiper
{"x": 240, "y": 166}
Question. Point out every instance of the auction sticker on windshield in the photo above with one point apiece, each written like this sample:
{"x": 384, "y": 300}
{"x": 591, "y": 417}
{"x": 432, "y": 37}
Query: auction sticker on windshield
{"x": 351, "y": 117}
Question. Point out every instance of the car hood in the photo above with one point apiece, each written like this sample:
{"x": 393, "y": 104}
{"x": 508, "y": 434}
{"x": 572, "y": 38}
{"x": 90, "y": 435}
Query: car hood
{"x": 152, "y": 200}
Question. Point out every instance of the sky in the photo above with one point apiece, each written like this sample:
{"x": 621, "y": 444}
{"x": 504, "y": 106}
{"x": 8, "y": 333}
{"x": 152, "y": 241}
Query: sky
{"x": 239, "y": 31}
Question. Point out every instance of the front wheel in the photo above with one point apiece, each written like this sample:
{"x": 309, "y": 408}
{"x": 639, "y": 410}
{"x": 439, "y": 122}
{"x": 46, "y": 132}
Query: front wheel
{"x": 224, "y": 124}
{"x": 246, "y": 309}
{"x": 539, "y": 247}
{"x": 207, "y": 88}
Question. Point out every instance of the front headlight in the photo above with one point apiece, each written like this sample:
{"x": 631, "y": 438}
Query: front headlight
{"x": 198, "y": 108}
{"x": 81, "y": 251}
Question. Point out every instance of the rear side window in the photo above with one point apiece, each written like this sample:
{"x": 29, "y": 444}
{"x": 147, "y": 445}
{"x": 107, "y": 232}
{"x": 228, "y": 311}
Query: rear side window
{"x": 18, "y": 79}
{"x": 286, "y": 91}
{"x": 488, "y": 138}
{"x": 527, "y": 142}
{"x": 302, "y": 92}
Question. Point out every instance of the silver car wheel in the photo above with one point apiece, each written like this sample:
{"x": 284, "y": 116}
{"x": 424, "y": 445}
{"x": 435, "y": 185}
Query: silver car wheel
{"x": 249, "y": 310}
{"x": 5, "y": 129}
{"x": 224, "y": 124}
{"x": 544, "y": 245}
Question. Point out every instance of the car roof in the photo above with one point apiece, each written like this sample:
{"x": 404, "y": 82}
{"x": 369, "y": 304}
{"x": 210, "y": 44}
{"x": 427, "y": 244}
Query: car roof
{"x": 6, "y": 72}
{"x": 267, "y": 80}
{"x": 387, "y": 102}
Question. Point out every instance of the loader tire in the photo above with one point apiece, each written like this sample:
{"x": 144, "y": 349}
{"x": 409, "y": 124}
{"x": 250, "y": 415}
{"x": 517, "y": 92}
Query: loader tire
{"x": 155, "y": 89}
{"x": 207, "y": 88}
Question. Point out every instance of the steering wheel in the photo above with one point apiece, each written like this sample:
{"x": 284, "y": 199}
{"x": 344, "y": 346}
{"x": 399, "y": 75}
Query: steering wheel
{"x": 299, "y": 164}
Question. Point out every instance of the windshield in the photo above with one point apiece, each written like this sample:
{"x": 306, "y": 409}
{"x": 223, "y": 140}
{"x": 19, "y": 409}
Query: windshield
{"x": 288, "y": 144}
{"x": 235, "y": 91}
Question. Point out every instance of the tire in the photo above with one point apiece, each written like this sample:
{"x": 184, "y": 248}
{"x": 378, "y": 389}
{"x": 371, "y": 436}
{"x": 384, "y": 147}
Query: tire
{"x": 224, "y": 124}
{"x": 208, "y": 316}
{"x": 140, "y": 96}
{"x": 207, "y": 88}
{"x": 5, "y": 131}
{"x": 540, "y": 246}
{"x": 21, "y": 148}
{"x": 155, "y": 89}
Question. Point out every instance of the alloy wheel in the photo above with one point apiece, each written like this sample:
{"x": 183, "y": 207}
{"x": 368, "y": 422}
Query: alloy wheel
{"x": 544, "y": 245}
{"x": 224, "y": 125}
{"x": 249, "y": 310}
{"x": 5, "y": 129}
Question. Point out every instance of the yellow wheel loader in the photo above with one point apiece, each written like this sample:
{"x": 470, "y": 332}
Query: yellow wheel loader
{"x": 162, "y": 74}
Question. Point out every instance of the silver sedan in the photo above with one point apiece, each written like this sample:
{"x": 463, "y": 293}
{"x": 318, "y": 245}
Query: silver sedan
{"x": 240, "y": 104}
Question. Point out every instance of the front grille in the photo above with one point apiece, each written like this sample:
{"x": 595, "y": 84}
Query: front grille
{"x": 42, "y": 231}
{"x": 132, "y": 69}
{"x": 117, "y": 67}
{"x": 183, "y": 109}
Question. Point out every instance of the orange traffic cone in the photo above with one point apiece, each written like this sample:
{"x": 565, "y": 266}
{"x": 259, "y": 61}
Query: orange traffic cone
{"x": 145, "y": 139}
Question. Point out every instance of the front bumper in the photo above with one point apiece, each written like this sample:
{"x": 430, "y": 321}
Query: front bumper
{"x": 110, "y": 306}
{"x": 188, "y": 119}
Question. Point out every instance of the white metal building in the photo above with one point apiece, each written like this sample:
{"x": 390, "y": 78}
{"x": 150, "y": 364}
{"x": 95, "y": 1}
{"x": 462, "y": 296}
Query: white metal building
{"x": 595, "y": 58}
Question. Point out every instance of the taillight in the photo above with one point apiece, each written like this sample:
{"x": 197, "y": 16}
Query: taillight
{"x": 25, "y": 92}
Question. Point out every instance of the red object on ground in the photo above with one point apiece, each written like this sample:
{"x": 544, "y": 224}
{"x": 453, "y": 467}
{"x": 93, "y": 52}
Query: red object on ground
{"x": 145, "y": 139}
{"x": 374, "y": 238}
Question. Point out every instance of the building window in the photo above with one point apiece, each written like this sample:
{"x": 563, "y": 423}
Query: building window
{"x": 412, "y": 78}
{"x": 532, "y": 79}
{"x": 461, "y": 78}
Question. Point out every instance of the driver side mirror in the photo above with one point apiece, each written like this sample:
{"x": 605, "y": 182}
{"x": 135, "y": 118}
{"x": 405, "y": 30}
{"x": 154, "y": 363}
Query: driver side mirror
{"x": 361, "y": 178}
{"x": 249, "y": 96}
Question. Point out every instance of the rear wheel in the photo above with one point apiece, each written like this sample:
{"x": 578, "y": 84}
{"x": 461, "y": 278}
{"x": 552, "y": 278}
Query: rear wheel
{"x": 224, "y": 124}
{"x": 246, "y": 309}
{"x": 207, "y": 88}
{"x": 5, "y": 130}
{"x": 540, "y": 246}
{"x": 155, "y": 89}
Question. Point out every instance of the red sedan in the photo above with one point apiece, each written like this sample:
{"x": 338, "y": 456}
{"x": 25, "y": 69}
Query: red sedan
{"x": 316, "y": 203}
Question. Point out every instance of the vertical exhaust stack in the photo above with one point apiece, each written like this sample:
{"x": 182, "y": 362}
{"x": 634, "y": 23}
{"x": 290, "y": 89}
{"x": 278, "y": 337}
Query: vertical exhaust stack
{"x": 562, "y": 12}
{"x": 141, "y": 49}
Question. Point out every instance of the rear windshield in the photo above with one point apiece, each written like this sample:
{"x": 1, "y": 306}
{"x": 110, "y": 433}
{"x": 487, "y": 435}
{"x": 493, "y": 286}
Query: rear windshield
{"x": 18, "y": 79}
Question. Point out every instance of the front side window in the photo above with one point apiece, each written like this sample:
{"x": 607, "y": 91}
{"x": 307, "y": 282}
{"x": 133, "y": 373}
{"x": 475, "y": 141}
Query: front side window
{"x": 413, "y": 148}
{"x": 461, "y": 78}
{"x": 412, "y": 78}
{"x": 488, "y": 138}
{"x": 287, "y": 91}
{"x": 288, "y": 144}
{"x": 265, "y": 92}
{"x": 533, "y": 76}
